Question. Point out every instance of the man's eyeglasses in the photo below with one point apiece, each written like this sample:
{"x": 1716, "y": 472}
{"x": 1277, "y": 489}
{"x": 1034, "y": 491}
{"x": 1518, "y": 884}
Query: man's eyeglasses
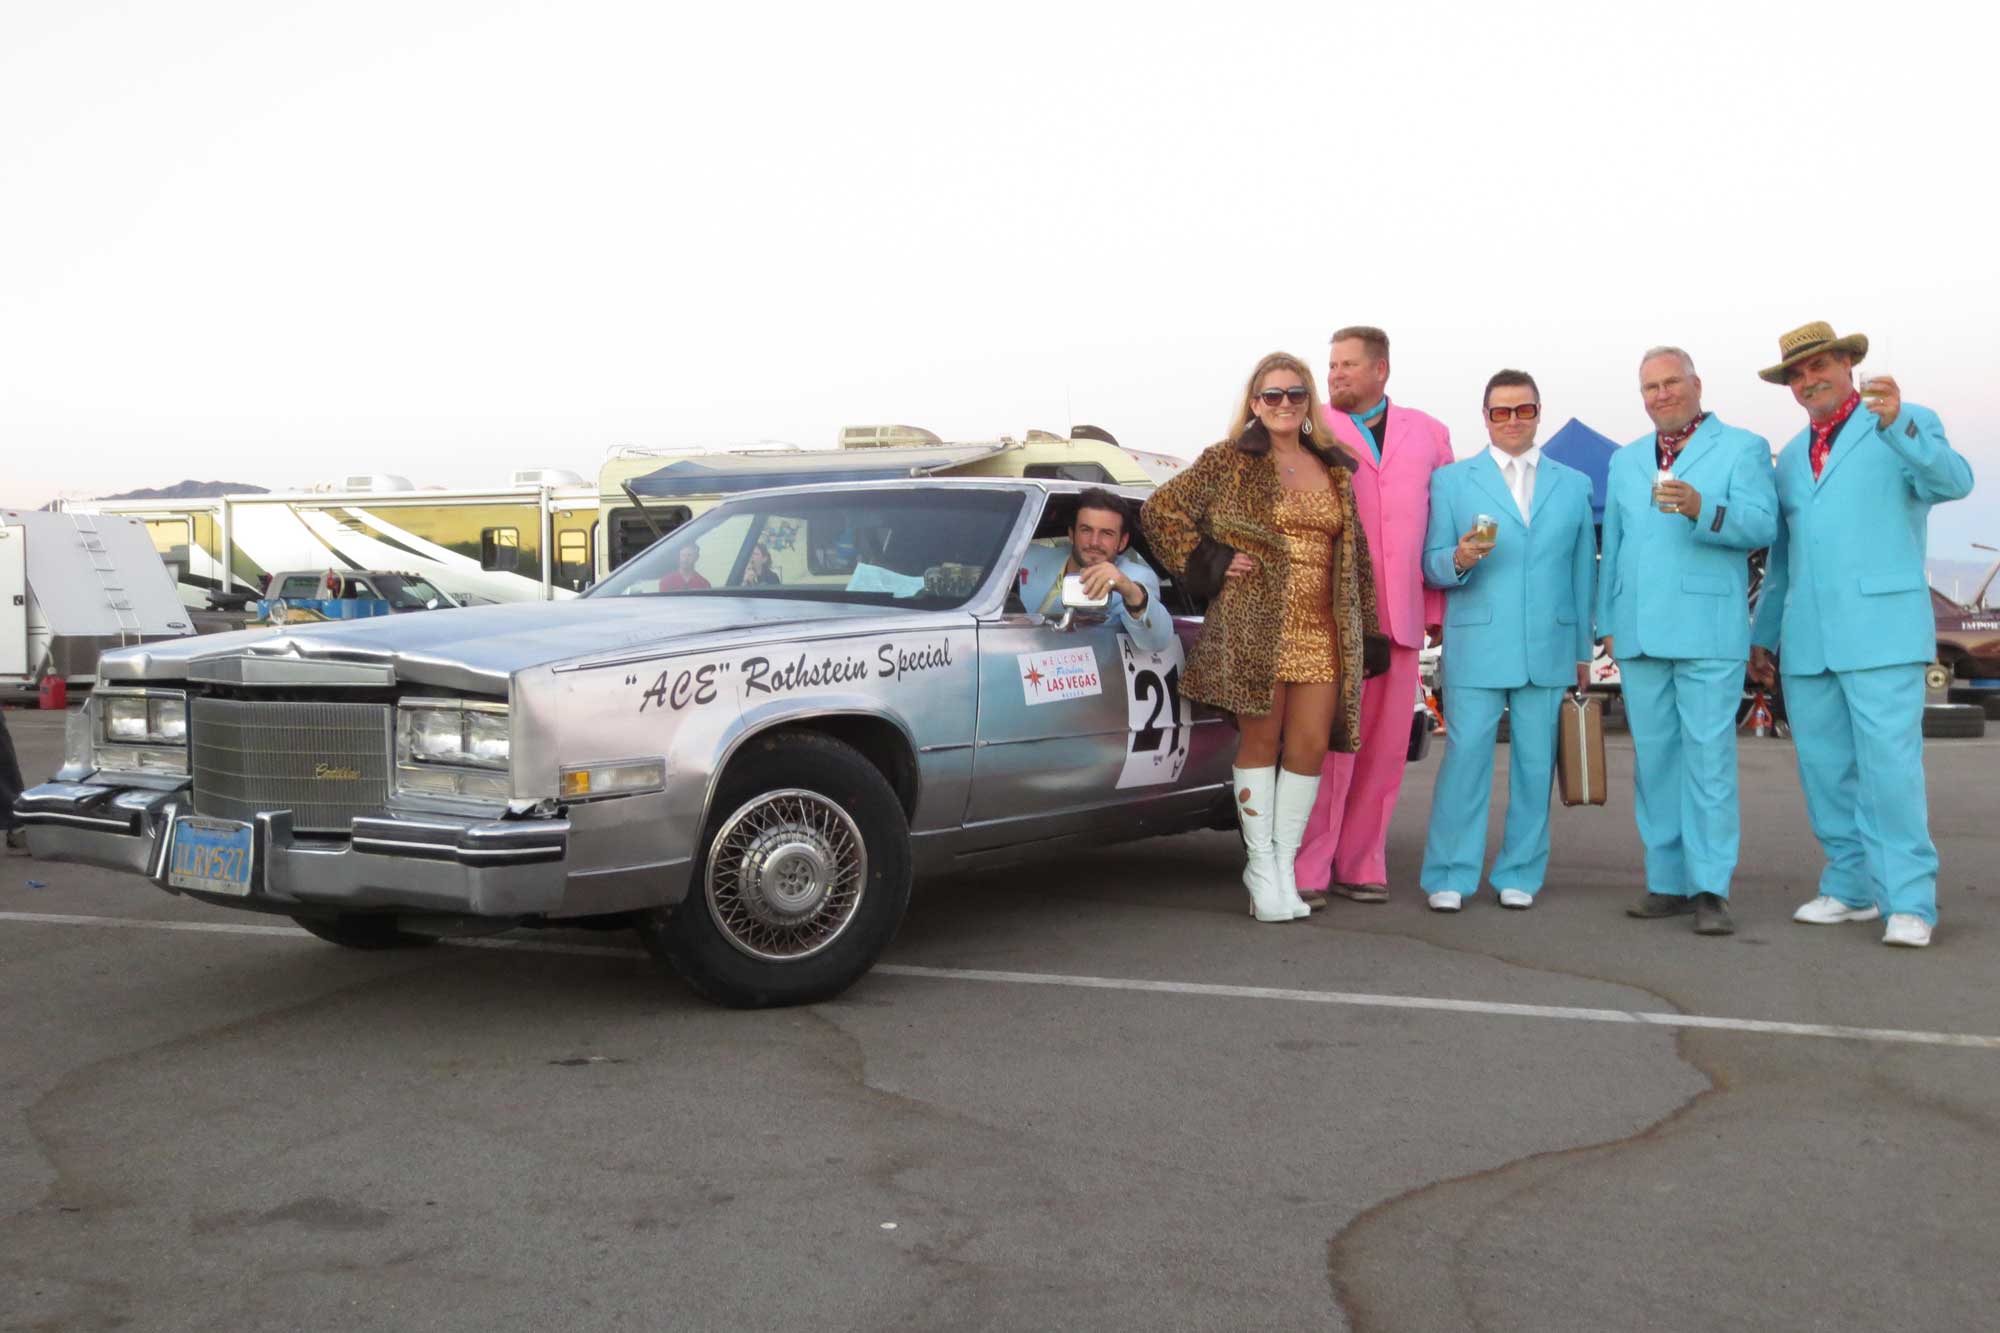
{"x": 1525, "y": 412}
{"x": 1272, "y": 397}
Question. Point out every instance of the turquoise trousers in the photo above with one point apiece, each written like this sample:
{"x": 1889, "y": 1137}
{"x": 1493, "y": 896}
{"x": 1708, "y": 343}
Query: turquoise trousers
{"x": 1455, "y": 847}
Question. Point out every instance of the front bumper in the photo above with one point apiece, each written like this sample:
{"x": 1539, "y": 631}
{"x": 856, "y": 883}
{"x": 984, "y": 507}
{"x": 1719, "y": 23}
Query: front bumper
{"x": 427, "y": 864}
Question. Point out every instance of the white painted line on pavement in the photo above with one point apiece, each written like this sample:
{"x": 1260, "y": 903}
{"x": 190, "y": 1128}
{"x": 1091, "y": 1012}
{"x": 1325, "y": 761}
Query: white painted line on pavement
{"x": 1351, "y": 999}
{"x": 133, "y": 923}
{"x": 1496, "y": 1007}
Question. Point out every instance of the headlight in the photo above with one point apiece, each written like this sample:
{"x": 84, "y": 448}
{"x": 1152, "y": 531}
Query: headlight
{"x": 125, "y": 718}
{"x": 167, "y": 720}
{"x": 449, "y": 747}
{"x": 139, "y": 730}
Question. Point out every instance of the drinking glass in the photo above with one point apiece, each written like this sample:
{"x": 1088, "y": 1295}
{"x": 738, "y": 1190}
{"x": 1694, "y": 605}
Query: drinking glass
{"x": 1665, "y": 475}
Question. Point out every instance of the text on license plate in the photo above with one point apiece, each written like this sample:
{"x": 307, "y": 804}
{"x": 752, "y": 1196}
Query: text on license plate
{"x": 211, "y": 855}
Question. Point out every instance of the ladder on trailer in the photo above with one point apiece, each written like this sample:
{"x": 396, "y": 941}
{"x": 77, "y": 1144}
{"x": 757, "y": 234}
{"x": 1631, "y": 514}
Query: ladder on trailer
{"x": 116, "y": 597}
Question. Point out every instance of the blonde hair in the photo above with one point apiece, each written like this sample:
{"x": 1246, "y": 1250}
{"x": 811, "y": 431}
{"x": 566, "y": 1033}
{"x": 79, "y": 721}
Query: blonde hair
{"x": 1321, "y": 441}
{"x": 1281, "y": 361}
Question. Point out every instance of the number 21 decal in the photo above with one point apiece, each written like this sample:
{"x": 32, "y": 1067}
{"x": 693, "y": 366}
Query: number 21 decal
{"x": 1159, "y": 718}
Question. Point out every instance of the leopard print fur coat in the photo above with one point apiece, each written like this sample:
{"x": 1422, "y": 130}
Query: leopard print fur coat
{"x": 1230, "y": 495}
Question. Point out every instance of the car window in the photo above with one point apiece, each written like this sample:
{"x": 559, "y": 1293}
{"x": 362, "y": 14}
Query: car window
{"x": 1053, "y": 528}
{"x": 413, "y": 593}
{"x": 928, "y": 546}
{"x": 301, "y": 586}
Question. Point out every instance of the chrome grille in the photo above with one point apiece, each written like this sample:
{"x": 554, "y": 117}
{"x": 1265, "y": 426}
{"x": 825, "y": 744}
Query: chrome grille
{"x": 251, "y": 756}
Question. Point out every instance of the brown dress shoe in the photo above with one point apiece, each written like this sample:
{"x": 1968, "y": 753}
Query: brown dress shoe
{"x": 1315, "y": 898}
{"x": 1363, "y": 893}
{"x": 1711, "y": 915}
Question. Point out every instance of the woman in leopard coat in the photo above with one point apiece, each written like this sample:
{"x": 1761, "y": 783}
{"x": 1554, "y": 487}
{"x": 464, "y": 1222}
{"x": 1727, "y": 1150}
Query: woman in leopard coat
{"x": 1268, "y": 515}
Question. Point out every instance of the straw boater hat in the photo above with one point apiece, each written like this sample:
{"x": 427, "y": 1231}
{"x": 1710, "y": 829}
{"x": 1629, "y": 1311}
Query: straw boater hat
{"x": 1808, "y": 341}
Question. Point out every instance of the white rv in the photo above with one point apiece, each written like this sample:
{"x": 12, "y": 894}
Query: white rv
{"x": 72, "y": 585}
{"x": 532, "y": 539}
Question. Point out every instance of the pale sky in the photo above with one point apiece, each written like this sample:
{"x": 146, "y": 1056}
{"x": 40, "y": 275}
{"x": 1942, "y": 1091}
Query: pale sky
{"x": 274, "y": 241}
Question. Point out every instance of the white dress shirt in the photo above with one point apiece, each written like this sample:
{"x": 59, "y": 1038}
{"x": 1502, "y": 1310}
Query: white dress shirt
{"x": 1519, "y": 474}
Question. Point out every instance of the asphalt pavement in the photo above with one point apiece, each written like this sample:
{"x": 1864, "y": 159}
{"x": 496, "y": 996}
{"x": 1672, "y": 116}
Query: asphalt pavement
{"x": 1080, "y": 1094}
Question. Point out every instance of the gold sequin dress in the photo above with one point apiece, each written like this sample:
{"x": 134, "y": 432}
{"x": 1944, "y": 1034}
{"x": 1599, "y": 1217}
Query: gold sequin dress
{"x": 1308, "y": 643}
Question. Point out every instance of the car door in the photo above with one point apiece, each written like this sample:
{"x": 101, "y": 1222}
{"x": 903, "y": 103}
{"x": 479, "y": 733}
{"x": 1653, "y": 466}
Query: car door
{"x": 1051, "y": 734}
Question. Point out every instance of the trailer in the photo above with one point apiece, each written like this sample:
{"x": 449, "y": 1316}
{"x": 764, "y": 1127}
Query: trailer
{"x": 529, "y": 540}
{"x": 73, "y": 584}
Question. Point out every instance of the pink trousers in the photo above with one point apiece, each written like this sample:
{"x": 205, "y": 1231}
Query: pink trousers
{"x": 1347, "y": 837}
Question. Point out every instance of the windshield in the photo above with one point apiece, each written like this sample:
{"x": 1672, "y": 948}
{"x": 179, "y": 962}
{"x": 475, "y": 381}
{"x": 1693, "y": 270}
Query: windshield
{"x": 927, "y": 547}
{"x": 402, "y": 591}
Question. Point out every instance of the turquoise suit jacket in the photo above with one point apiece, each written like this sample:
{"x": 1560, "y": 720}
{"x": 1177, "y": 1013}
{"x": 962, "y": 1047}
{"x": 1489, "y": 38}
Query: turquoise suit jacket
{"x": 1151, "y": 630}
{"x": 1844, "y": 588}
{"x": 1672, "y": 588}
{"x": 1521, "y": 616}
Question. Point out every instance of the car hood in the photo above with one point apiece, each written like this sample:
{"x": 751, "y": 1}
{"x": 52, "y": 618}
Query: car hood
{"x": 477, "y": 648}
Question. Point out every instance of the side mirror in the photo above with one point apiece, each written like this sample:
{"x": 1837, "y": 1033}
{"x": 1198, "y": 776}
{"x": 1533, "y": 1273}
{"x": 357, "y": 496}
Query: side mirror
{"x": 1076, "y": 599}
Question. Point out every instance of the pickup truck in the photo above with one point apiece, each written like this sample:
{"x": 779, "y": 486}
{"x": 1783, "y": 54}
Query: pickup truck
{"x": 304, "y": 595}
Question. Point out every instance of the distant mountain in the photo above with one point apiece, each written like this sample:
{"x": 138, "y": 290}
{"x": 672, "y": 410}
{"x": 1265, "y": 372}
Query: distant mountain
{"x": 190, "y": 490}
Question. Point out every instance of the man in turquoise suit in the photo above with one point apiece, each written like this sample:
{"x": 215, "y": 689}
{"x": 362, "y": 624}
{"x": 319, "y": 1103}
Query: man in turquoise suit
{"x": 1517, "y": 631}
{"x": 1683, "y": 508}
{"x": 1845, "y": 615}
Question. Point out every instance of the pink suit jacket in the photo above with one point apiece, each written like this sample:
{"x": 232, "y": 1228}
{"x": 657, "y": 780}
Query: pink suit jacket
{"x": 1394, "y": 498}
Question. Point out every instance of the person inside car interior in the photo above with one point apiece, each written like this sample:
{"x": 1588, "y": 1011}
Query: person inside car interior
{"x": 1100, "y": 555}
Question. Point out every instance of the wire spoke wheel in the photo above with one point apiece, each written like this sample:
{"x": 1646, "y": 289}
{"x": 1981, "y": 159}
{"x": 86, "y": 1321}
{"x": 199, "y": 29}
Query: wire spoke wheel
{"x": 785, "y": 875}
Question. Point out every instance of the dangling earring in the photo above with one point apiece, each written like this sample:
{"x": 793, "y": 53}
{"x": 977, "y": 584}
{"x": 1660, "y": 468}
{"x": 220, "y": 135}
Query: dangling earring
{"x": 1306, "y": 426}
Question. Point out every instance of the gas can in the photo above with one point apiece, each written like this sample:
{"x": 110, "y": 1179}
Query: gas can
{"x": 54, "y": 692}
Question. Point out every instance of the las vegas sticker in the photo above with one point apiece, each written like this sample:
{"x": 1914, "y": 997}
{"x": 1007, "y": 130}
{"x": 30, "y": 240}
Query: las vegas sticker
{"x": 1067, "y": 673}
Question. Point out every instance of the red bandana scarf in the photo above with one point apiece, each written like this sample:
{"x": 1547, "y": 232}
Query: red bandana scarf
{"x": 1667, "y": 444}
{"x": 1824, "y": 431}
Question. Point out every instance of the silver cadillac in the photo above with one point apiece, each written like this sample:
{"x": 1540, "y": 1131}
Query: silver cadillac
{"x": 744, "y": 743}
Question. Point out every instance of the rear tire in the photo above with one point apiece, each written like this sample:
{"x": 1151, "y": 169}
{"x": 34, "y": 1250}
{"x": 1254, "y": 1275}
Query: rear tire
{"x": 1954, "y": 721}
{"x": 1988, "y": 700}
{"x": 802, "y": 879}
{"x": 357, "y": 930}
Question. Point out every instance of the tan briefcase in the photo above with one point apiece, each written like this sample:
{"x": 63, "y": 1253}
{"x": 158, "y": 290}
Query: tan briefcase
{"x": 1580, "y": 750}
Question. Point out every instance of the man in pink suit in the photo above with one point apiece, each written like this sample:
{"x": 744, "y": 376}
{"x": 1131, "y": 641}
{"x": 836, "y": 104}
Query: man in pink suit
{"x": 1347, "y": 837}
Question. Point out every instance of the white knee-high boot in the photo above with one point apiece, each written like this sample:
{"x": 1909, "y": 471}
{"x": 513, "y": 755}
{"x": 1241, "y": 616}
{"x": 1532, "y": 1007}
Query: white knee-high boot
{"x": 1291, "y": 807}
{"x": 1260, "y": 871}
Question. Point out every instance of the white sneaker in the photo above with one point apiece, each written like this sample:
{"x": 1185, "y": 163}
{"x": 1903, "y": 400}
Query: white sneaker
{"x": 1825, "y": 911}
{"x": 1445, "y": 901}
{"x": 1908, "y": 930}
{"x": 1517, "y": 899}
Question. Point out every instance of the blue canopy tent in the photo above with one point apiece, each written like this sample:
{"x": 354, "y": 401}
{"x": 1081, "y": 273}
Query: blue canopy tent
{"x": 1577, "y": 445}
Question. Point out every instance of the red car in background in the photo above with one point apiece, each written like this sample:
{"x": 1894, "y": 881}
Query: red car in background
{"x": 1968, "y": 645}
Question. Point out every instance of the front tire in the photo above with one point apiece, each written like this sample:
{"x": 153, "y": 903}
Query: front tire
{"x": 802, "y": 879}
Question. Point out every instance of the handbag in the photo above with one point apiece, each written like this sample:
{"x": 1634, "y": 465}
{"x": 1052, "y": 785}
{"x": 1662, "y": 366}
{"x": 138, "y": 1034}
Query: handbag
{"x": 1374, "y": 655}
{"x": 1206, "y": 566}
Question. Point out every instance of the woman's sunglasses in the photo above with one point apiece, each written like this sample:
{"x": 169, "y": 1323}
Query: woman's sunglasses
{"x": 1272, "y": 397}
{"x": 1526, "y": 412}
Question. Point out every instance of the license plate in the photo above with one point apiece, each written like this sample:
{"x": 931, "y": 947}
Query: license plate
{"x": 212, "y": 856}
